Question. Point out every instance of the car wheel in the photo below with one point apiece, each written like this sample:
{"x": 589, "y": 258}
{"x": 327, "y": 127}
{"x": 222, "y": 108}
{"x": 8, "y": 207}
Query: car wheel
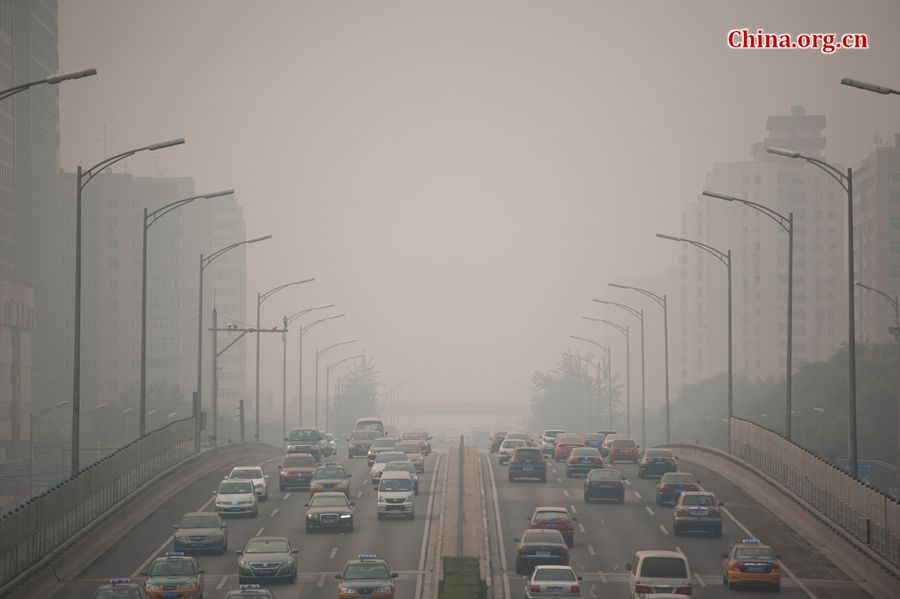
{"x": 658, "y": 500}
{"x": 265, "y": 497}
{"x": 622, "y": 499}
{"x": 586, "y": 498}
{"x": 543, "y": 478}
{"x": 732, "y": 586}
{"x": 776, "y": 588}
{"x": 381, "y": 516}
{"x": 256, "y": 512}
{"x": 570, "y": 542}
{"x": 519, "y": 569}
{"x": 724, "y": 580}
{"x": 718, "y": 533}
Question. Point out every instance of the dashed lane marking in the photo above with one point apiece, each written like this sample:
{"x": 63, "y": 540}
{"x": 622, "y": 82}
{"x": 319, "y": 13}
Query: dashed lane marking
{"x": 663, "y": 528}
{"x": 165, "y": 544}
{"x": 559, "y": 480}
{"x": 259, "y": 532}
{"x": 333, "y": 553}
{"x": 649, "y": 510}
{"x": 321, "y": 580}
{"x": 699, "y": 579}
{"x": 591, "y": 550}
{"x": 636, "y": 494}
{"x": 272, "y": 515}
{"x": 627, "y": 482}
{"x": 566, "y": 492}
{"x": 221, "y": 583}
{"x": 678, "y": 549}
{"x": 574, "y": 511}
{"x": 286, "y": 495}
{"x": 359, "y": 494}
{"x": 581, "y": 527}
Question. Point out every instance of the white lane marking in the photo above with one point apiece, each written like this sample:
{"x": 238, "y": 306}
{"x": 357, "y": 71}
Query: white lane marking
{"x": 426, "y": 532}
{"x": 649, "y": 510}
{"x": 559, "y": 480}
{"x": 627, "y": 482}
{"x": 636, "y": 494}
{"x": 272, "y": 515}
{"x": 286, "y": 495}
{"x": 787, "y": 571}
{"x": 601, "y": 522}
{"x": 574, "y": 511}
{"x": 678, "y": 549}
{"x": 221, "y": 583}
{"x": 359, "y": 494}
{"x": 165, "y": 544}
{"x": 366, "y": 481}
{"x": 259, "y": 532}
{"x": 333, "y": 553}
{"x": 663, "y": 528}
{"x": 591, "y": 550}
{"x": 700, "y": 579}
{"x": 581, "y": 527}
{"x": 321, "y": 580}
{"x": 602, "y": 576}
{"x": 565, "y": 492}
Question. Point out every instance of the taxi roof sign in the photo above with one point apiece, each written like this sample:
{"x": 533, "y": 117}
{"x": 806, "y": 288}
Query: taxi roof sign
{"x": 249, "y": 586}
{"x": 750, "y": 542}
{"x": 174, "y": 553}
{"x": 120, "y": 581}
{"x": 367, "y": 556}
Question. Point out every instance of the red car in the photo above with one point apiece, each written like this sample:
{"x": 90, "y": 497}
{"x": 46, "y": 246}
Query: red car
{"x": 296, "y": 471}
{"x": 421, "y": 438}
{"x": 564, "y": 445}
{"x": 624, "y": 449}
{"x": 555, "y": 518}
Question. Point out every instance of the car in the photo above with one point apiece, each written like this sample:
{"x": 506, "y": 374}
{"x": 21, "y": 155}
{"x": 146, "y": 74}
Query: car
{"x": 423, "y": 439}
{"x": 255, "y": 475}
{"x": 380, "y": 444}
{"x": 331, "y": 444}
{"x": 523, "y": 436}
{"x": 234, "y": 497}
{"x": 370, "y": 423}
{"x": 553, "y": 581}
{"x": 657, "y": 461}
{"x": 296, "y": 470}
{"x": 607, "y": 442}
{"x": 307, "y": 440}
{"x": 507, "y": 447}
{"x": 395, "y": 496}
{"x": 250, "y": 591}
{"x": 367, "y": 576}
{"x": 174, "y": 575}
{"x": 548, "y": 439}
{"x": 564, "y": 444}
{"x": 594, "y": 440}
{"x": 624, "y": 450}
{"x": 496, "y": 440}
{"x": 527, "y": 462}
{"x": 358, "y": 443}
{"x": 659, "y": 572}
{"x": 267, "y": 558}
{"x": 750, "y": 563}
{"x": 120, "y": 588}
{"x": 582, "y": 460}
{"x": 200, "y": 531}
{"x": 329, "y": 510}
{"x": 673, "y": 484}
{"x": 413, "y": 453}
{"x": 697, "y": 511}
{"x": 539, "y": 546}
{"x": 555, "y": 518}
{"x": 330, "y": 477}
{"x": 407, "y": 467}
{"x": 383, "y": 458}
{"x": 604, "y": 484}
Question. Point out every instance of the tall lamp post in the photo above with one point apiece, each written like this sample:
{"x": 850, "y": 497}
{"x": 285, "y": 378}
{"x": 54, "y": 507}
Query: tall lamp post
{"x": 870, "y": 87}
{"x": 35, "y": 418}
{"x": 608, "y": 351}
{"x": 845, "y": 180}
{"x": 51, "y": 80}
{"x": 319, "y": 354}
{"x": 83, "y": 177}
{"x": 260, "y": 298}
{"x": 663, "y": 302}
{"x": 895, "y": 331}
{"x": 639, "y": 314}
{"x": 204, "y": 262}
{"x": 303, "y": 330}
{"x": 149, "y": 219}
{"x": 786, "y": 223}
{"x": 624, "y": 331}
{"x": 724, "y": 258}
{"x": 328, "y": 380}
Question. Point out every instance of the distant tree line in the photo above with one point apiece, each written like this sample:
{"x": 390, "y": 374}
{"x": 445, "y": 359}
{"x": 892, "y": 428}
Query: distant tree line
{"x": 357, "y": 396}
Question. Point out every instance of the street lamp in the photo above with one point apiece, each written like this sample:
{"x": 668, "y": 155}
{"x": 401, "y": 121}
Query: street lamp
{"x": 786, "y": 223}
{"x": 149, "y": 219}
{"x": 303, "y": 330}
{"x": 845, "y": 180}
{"x": 870, "y": 87}
{"x": 639, "y": 314}
{"x": 204, "y": 262}
{"x": 319, "y": 353}
{"x": 84, "y": 177}
{"x": 663, "y": 302}
{"x": 34, "y": 418}
{"x": 51, "y": 80}
{"x": 624, "y": 331}
{"x": 608, "y": 375}
{"x": 328, "y": 380}
{"x": 895, "y": 331}
{"x": 724, "y": 258}
{"x": 260, "y": 298}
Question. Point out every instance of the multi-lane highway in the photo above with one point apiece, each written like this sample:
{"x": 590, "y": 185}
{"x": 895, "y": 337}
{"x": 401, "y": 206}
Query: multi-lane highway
{"x": 321, "y": 555}
{"x": 607, "y": 535}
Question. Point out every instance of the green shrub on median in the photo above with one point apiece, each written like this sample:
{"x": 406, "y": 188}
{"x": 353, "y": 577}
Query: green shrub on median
{"x": 462, "y": 579}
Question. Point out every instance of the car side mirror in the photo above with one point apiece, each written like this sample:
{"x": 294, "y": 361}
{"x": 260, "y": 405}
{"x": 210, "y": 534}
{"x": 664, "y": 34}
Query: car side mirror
{"x": 777, "y": 556}
{"x": 305, "y": 505}
{"x": 280, "y": 466}
{"x": 338, "y": 576}
{"x": 349, "y": 476}
{"x": 201, "y": 571}
{"x": 394, "y": 575}
{"x": 517, "y": 540}
{"x": 676, "y": 457}
{"x": 721, "y": 504}
{"x": 285, "y": 438}
{"x": 223, "y": 525}
{"x": 352, "y": 504}
{"x": 623, "y": 478}
{"x": 144, "y": 573}
{"x": 580, "y": 578}
{"x": 574, "y": 519}
{"x": 295, "y": 551}
{"x": 239, "y": 551}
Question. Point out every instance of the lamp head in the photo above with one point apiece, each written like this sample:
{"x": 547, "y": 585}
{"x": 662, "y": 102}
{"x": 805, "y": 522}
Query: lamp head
{"x": 783, "y": 152}
{"x": 166, "y": 144}
{"x": 719, "y": 196}
{"x": 871, "y": 87}
{"x": 219, "y": 194}
{"x": 54, "y": 79}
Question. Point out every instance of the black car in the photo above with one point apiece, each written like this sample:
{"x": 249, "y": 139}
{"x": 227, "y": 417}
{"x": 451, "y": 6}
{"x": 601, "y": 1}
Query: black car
{"x": 329, "y": 511}
{"x": 673, "y": 484}
{"x": 527, "y": 462}
{"x": 657, "y": 461}
{"x": 540, "y": 547}
{"x": 307, "y": 440}
{"x": 200, "y": 531}
{"x": 496, "y": 439}
{"x": 604, "y": 484}
{"x": 267, "y": 558}
{"x": 359, "y": 442}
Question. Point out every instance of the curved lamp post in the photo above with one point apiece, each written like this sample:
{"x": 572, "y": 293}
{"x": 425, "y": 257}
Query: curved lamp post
{"x": 624, "y": 331}
{"x": 608, "y": 351}
{"x": 320, "y": 353}
{"x": 51, "y": 80}
{"x": 303, "y": 330}
{"x": 328, "y": 380}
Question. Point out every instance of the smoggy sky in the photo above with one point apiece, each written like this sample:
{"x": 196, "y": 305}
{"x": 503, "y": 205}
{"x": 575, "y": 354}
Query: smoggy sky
{"x": 461, "y": 177}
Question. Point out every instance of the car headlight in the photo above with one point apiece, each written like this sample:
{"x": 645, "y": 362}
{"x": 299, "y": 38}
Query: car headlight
{"x": 381, "y": 499}
{"x": 152, "y": 586}
{"x": 384, "y": 589}
{"x": 288, "y": 562}
{"x": 345, "y": 515}
{"x": 184, "y": 586}
{"x": 312, "y": 516}
{"x": 348, "y": 591}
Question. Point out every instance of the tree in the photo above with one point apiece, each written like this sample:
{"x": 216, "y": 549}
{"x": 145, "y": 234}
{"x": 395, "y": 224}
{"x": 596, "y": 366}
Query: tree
{"x": 356, "y": 397}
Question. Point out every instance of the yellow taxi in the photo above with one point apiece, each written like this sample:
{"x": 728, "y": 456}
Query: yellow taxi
{"x": 750, "y": 563}
{"x": 174, "y": 576}
{"x": 369, "y": 576}
{"x": 330, "y": 476}
{"x": 120, "y": 588}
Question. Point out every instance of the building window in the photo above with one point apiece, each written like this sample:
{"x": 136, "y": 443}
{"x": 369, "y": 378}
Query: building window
{"x": 895, "y": 178}
{"x": 895, "y": 247}
{"x": 895, "y": 222}
{"x": 895, "y": 198}
{"x": 895, "y": 272}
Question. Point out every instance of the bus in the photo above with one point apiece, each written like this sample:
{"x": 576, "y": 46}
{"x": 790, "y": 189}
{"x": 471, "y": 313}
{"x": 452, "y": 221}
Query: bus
{"x": 370, "y": 423}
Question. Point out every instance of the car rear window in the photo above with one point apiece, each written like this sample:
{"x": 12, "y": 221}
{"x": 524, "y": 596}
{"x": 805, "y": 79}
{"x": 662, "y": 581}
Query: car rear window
{"x": 528, "y": 455}
{"x": 585, "y": 452}
{"x": 673, "y": 478}
{"x": 664, "y": 567}
{"x": 624, "y": 443}
{"x": 552, "y": 536}
{"x": 598, "y": 474}
{"x": 697, "y": 500}
{"x": 551, "y": 516}
{"x": 658, "y": 453}
{"x": 555, "y": 574}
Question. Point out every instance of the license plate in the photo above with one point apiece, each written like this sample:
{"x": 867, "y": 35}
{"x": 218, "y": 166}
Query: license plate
{"x": 527, "y": 469}
{"x": 543, "y": 554}
{"x": 265, "y": 571}
{"x": 234, "y": 509}
{"x": 756, "y": 569}
{"x": 555, "y": 589}
{"x": 585, "y": 460}
{"x": 698, "y": 512}
{"x": 169, "y": 594}
{"x": 663, "y": 589}
{"x": 196, "y": 545}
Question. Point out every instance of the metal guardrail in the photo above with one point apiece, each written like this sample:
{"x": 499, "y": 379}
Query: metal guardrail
{"x": 865, "y": 513}
{"x": 31, "y": 531}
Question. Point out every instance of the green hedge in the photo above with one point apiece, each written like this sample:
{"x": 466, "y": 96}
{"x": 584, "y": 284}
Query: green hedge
{"x": 462, "y": 579}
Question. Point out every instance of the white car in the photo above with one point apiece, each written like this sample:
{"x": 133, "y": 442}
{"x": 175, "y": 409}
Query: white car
{"x": 235, "y": 497}
{"x": 395, "y": 495}
{"x": 553, "y": 581}
{"x": 255, "y": 475}
{"x": 382, "y": 458}
{"x": 659, "y": 572}
{"x": 506, "y": 449}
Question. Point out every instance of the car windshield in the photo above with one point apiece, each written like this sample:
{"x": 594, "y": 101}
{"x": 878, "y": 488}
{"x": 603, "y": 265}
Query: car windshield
{"x": 409, "y": 448}
{"x": 119, "y": 594}
{"x": 542, "y": 537}
{"x": 527, "y": 455}
{"x": 400, "y": 467}
{"x": 563, "y": 439}
{"x": 384, "y": 442}
{"x": 416, "y": 436}
{"x": 363, "y": 435}
{"x": 366, "y": 571}
{"x": 322, "y": 500}
{"x": 658, "y": 453}
{"x": 235, "y": 487}
{"x": 304, "y": 436}
{"x": 297, "y": 461}
{"x": 512, "y": 443}
{"x": 267, "y": 546}
{"x": 553, "y": 434}
{"x": 751, "y": 553}
{"x": 664, "y": 567}
{"x": 679, "y": 478}
{"x": 389, "y": 456}
{"x": 173, "y": 567}
{"x": 555, "y": 574}
{"x": 395, "y": 484}
{"x": 330, "y": 473}
{"x": 585, "y": 452}
{"x": 704, "y": 500}
{"x": 245, "y": 473}
{"x": 199, "y": 522}
{"x": 370, "y": 425}
{"x": 551, "y": 516}
{"x": 603, "y": 475}
{"x": 624, "y": 444}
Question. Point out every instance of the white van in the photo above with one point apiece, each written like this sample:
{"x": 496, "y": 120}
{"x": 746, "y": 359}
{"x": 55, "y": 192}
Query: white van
{"x": 395, "y": 495}
{"x": 659, "y": 572}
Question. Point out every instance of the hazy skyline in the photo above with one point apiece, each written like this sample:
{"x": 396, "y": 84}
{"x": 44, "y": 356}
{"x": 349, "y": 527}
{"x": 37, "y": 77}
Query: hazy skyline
{"x": 462, "y": 177}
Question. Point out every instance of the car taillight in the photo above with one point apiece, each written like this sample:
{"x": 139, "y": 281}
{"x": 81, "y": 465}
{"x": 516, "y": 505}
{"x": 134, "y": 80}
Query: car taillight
{"x": 683, "y": 591}
{"x": 563, "y": 551}
{"x": 734, "y": 567}
{"x": 513, "y": 461}
{"x": 616, "y": 485}
{"x": 521, "y": 550}
{"x": 534, "y": 588}
{"x": 775, "y": 569}
{"x": 574, "y": 589}
{"x": 641, "y": 588}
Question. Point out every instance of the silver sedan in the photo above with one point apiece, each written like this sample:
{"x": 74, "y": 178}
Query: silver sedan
{"x": 548, "y": 582}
